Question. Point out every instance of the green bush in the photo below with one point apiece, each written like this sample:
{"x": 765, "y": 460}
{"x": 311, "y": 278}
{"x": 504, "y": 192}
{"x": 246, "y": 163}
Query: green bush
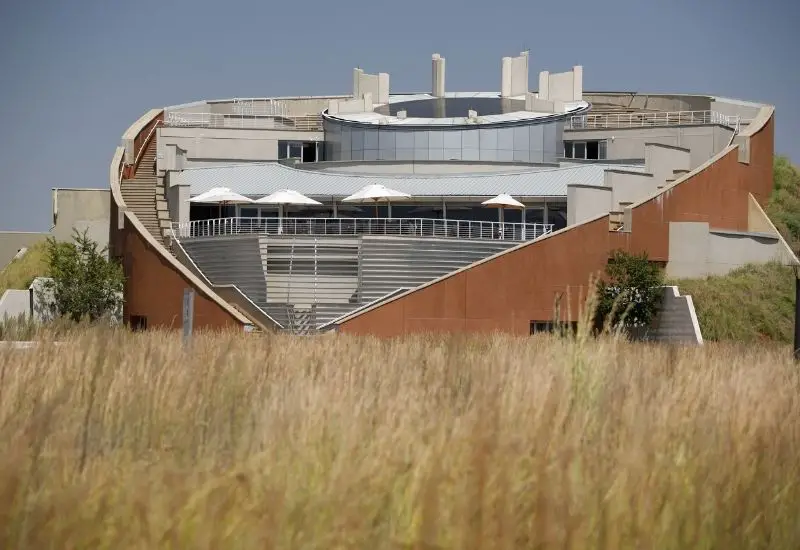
{"x": 83, "y": 284}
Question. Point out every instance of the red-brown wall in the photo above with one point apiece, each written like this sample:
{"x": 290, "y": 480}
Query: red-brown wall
{"x": 510, "y": 290}
{"x": 154, "y": 289}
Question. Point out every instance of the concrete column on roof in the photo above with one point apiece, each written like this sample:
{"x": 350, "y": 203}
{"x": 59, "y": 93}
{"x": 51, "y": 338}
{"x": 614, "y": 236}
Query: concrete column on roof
{"x": 505, "y": 77}
{"x": 437, "y": 64}
{"x": 519, "y": 74}
{"x": 357, "y": 83}
{"x": 577, "y": 83}
{"x": 544, "y": 85}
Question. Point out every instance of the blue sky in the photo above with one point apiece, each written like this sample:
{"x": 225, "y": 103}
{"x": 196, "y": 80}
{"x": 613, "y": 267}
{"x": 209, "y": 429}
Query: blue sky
{"x": 76, "y": 74}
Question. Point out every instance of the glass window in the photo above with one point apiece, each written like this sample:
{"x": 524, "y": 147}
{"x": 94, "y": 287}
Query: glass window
{"x": 579, "y": 149}
{"x": 295, "y": 150}
{"x": 592, "y": 150}
{"x": 568, "y": 153}
{"x": 249, "y": 211}
{"x": 603, "y": 150}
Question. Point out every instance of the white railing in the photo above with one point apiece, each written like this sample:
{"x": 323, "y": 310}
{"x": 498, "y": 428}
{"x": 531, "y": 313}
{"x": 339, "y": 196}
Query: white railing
{"x": 308, "y": 123}
{"x": 646, "y": 119}
{"x": 407, "y": 227}
{"x": 259, "y": 107}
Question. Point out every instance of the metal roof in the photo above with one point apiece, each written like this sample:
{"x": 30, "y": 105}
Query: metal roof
{"x": 371, "y": 117}
{"x": 258, "y": 179}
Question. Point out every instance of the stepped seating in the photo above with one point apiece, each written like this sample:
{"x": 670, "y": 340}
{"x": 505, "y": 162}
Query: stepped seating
{"x": 304, "y": 282}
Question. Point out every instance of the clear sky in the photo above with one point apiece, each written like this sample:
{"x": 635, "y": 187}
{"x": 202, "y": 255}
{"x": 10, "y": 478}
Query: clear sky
{"x": 74, "y": 75}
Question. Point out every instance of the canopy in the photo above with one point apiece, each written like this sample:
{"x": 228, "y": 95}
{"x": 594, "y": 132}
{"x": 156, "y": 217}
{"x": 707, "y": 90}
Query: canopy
{"x": 286, "y": 196}
{"x": 221, "y": 195}
{"x": 503, "y": 201}
{"x": 377, "y": 193}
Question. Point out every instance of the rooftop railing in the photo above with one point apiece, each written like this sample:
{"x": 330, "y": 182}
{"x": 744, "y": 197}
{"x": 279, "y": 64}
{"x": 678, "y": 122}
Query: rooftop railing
{"x": 648, "y": 119}
{"x": 246, "y": 120}
{"x": 401, "y": 227}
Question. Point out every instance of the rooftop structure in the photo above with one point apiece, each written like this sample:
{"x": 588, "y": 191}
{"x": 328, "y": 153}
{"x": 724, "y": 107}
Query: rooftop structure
{"x": 683, "y": 177}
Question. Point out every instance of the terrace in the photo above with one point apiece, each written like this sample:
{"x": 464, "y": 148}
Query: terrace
{"x": 350, "y": 227}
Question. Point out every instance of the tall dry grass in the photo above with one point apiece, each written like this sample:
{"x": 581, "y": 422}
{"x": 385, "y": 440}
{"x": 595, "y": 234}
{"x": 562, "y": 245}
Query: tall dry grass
{"x": 117, "y": 440}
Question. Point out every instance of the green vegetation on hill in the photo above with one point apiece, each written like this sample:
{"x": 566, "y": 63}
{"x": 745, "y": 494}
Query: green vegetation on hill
{"x": 750, "y": 304}
{"x": 784, "y": 205}
{"x": 19, "y": 273}
{"x": 755, "y": 302}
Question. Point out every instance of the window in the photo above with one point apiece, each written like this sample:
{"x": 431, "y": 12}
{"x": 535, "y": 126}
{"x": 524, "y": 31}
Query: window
{"x": 138, "y": 323}
{"x": 302, "y": 151}
{"x": 589, "y": 150}
{"x": 561, "y": 328}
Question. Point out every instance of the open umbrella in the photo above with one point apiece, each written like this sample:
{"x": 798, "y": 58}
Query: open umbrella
{"x": 501, "y": 202}
{"x": 221, "y": 196}
{"x": 377, "y": 193}
{"x": 282, "y": 197}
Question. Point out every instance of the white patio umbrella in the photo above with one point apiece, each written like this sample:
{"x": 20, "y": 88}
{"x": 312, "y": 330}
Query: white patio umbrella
{"x": 282, "y": 197}
{"x": 377, "y": 193}
{"x": 502, "y": 201}
{"x": 222, "y": 196}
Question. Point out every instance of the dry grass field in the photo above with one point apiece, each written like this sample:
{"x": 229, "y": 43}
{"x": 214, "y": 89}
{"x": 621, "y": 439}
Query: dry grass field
{"x": 117, "y": 440}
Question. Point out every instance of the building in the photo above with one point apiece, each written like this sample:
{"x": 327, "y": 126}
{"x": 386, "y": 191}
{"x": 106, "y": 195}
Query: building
{"x": 683, "y": 177}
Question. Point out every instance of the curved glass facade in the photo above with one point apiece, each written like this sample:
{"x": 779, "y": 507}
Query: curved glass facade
{"x": 530, "y": 142}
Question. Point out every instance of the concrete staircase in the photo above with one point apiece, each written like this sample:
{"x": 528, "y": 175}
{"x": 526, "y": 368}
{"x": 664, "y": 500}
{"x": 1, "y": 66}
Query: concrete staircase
{"x": 145, "y": 197}
{"x": 389, "y": 263}
{"x": 231, "y": 260}
{"x": 304, "y": 282}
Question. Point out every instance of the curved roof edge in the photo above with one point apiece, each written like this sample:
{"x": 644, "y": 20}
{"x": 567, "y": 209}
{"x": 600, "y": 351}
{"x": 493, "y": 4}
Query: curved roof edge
{"x": 116, "y": 193}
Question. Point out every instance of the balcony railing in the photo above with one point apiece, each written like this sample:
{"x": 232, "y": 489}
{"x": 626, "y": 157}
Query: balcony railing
{"x": 306, "y": 123}
{"x": 648, "y": 119}
{"x": 405, "y": 227}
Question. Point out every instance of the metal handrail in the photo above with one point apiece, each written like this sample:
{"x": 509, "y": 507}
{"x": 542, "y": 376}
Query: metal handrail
{"x": 405, "y": 227}
{"x": 251, "y": 120}
{"x": 649, "y": 119}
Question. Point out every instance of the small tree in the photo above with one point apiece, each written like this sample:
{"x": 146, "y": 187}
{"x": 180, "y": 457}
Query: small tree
{"x": 83, "y": 284}
{"x": 628, "y": 295}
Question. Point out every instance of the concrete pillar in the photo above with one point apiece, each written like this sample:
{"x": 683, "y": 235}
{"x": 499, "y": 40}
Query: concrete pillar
{"x": 438, "y": 75}
{"x": 577, "y": 83}
{"x": 505, "y": 77}
{"x": 544, "y": 85}
{"x": 544, "y": 212}
{"x": 519, "y": 74}
{"x": 357, "y": 83}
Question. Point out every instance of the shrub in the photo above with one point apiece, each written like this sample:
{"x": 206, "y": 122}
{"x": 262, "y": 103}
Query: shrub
{"x": 83, "y": 284}
{"x": 629, "y": 294}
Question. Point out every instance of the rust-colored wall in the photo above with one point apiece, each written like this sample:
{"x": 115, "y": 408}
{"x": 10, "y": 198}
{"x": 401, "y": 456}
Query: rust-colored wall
{"x": 154, "y": 289}
{"x": 509, "y": 291}
{"x": 505, "y": 293}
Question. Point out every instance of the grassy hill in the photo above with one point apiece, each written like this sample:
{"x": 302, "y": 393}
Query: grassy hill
{"x": 19, "y": 273}
{"x": 750, "y": 304}
{"x": 756, "y": 302}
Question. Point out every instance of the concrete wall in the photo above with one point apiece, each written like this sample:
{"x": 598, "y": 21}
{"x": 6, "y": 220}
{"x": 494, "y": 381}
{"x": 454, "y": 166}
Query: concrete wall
{"x": 628, "y": 187}
{"x": 585, "y": 202}
{"x": 224, "y": 144}
{"x": 567, "y": 86}
{"x": 12, "y": 241}
{"x": 651, "y": 102}
{"x": 514, "y": 75}
{"x": 696, "y": 250}
{"x": 628, "y": 143}
{"x": 662, "y": 160}
{"x": 374, "y": 85}
{"x": 82, "y": 209}
{"x": 14, "y": 304}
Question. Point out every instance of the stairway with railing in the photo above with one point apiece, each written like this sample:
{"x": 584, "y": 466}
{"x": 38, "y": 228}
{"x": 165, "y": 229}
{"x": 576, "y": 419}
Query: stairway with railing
{"x": 145, "y": 196}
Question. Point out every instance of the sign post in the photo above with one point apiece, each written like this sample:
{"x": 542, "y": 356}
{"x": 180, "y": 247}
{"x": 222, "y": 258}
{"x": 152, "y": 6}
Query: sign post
{"x": 188, "y": 314}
